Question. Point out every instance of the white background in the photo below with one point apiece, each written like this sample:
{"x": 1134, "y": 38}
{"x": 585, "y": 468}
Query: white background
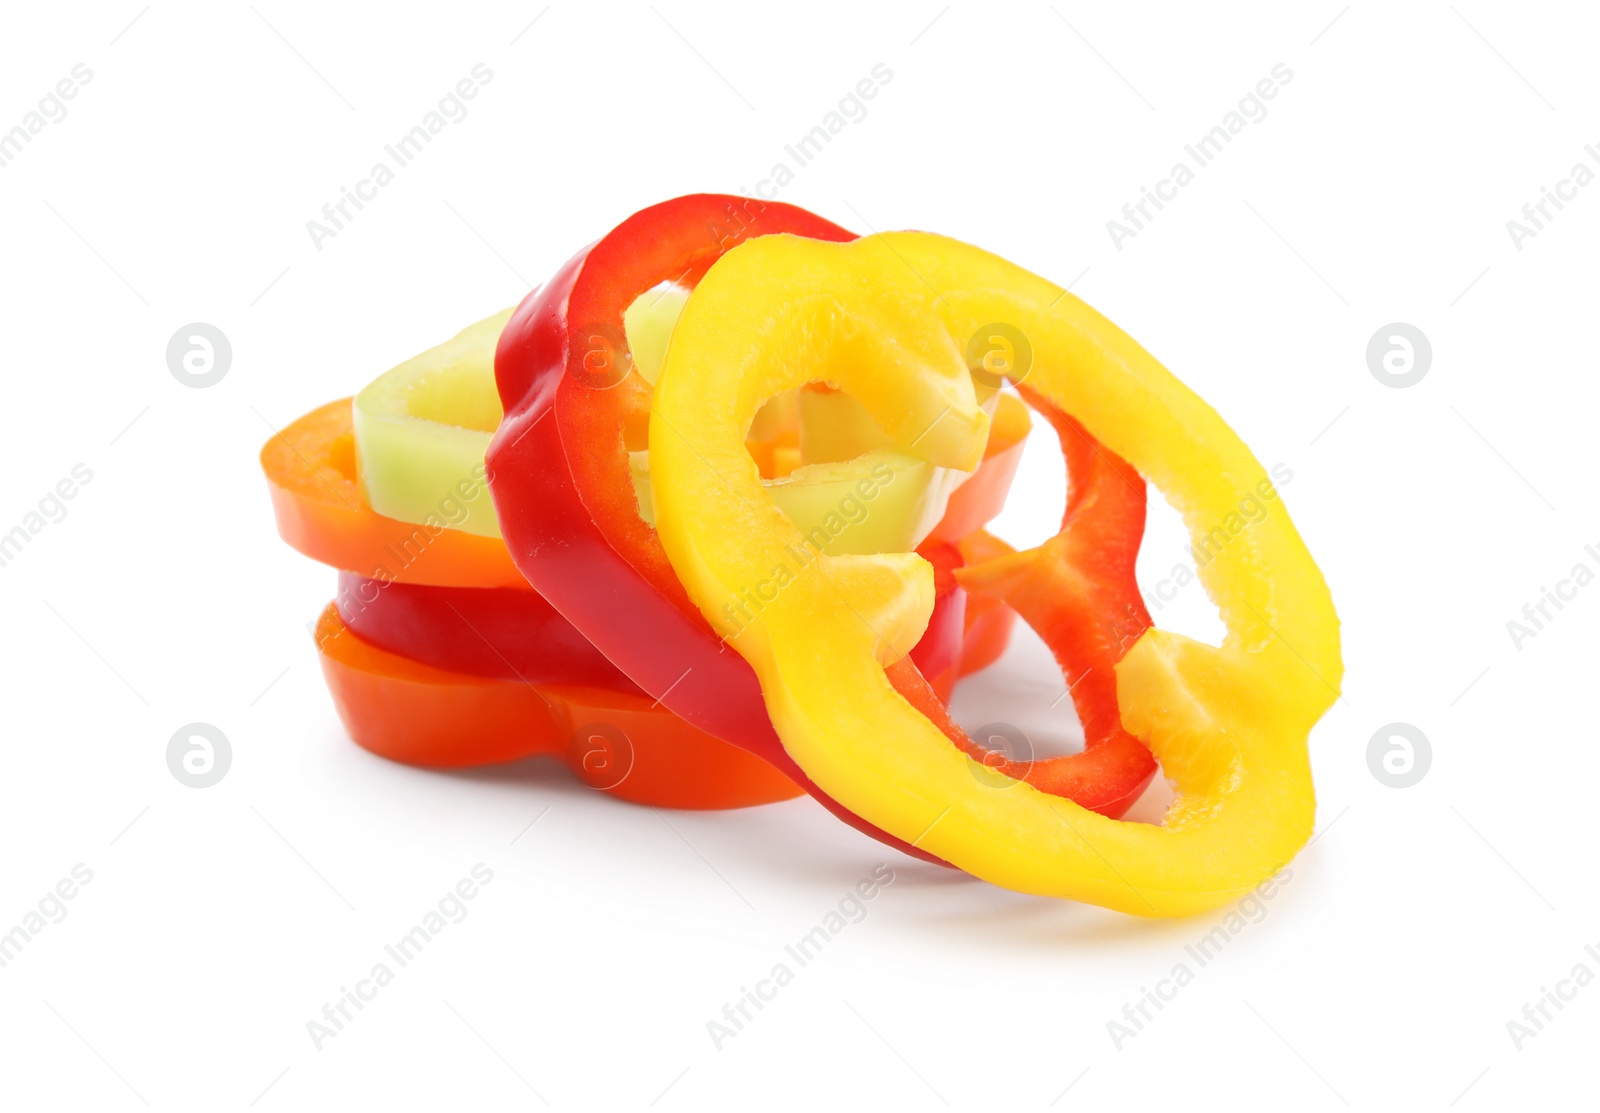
{"x": 177, "y": 189}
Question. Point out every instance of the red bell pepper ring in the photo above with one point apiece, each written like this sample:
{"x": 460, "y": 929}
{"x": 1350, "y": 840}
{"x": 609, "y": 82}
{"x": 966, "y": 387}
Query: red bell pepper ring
{"x": 559, "y": 468}
{"x": 939, "y": 655}
{"x": 504, "y": 633}
{"x": 511, "y": 634}
{"x": 987, "y": 624}
{"x": 1079, "y": 592}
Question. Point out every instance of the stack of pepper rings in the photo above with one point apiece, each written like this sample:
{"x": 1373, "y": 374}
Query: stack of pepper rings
{"x": 704, "y": 517}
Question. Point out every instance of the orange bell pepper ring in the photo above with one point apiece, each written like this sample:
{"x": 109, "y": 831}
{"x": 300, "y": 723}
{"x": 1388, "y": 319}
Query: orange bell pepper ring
{"x": 321, "y": 511}
{"x": 621, "y": 743}
{"x": 886, "y": 318}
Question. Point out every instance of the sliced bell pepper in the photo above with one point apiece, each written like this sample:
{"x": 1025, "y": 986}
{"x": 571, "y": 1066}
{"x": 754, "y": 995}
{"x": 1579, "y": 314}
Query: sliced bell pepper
{"x": 562, "y": 480}
{"x": 498, "y": 632}
{"x": 1079, "y": 592}
{"x": 396, "y": 682}
{"x": 322, "y": 512}
{"x": 392, "y": 569}
{"x": 976, "y": 502}
{"x": 1229, "y": 724}
{"x": 621, "y": 743}
{"x": 988, "y": 623}
{"x": 939, "y": 653}
{"x": 509, "y": 634}
{"x": 422, "y": 429}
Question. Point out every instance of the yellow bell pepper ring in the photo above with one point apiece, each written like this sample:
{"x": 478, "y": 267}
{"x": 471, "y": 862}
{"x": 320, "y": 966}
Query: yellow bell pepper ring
{"x": 887, "y": 319}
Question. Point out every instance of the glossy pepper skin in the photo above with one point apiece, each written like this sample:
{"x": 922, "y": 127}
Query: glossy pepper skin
{"x": 511, "y": 634}
{"x": 988, "y": 622}
{"x": 424, "y": 633}
{"x": 560, "y": 475}
{"x": 617, "y": 742}
{"x": 1079, "y": 592}
{"x": 501, "y": 633}
{"x": 321, "y": 511}
{"x": 1228, "y": 724}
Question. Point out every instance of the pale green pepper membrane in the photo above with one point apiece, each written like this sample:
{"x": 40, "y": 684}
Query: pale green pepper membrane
{"x": 422, "y": 429}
